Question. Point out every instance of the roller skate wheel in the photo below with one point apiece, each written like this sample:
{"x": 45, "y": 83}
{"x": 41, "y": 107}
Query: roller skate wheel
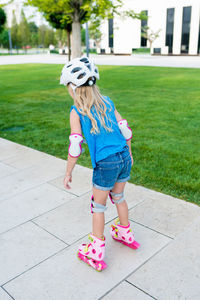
{"x": 135, "y": 245}
{"x": 99, "y": 268}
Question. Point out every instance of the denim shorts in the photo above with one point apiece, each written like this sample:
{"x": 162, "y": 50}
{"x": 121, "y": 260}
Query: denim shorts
{"x": 114, "y": 168}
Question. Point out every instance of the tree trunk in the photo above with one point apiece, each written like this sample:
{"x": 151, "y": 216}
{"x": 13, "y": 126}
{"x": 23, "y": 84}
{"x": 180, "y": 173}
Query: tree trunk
{"x": 76, "y": 39}
{"x": 69, "y": 45}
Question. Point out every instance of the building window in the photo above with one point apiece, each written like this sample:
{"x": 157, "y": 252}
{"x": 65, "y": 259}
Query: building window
{"x": 110, "y": 33}
{"x": 143, "y": 24}
{"x": 169, "y": 29}
{"x": 157, "y": 50}
{"x": 186, "y": 29}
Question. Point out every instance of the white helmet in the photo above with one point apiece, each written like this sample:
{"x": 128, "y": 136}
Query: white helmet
{"x": 79, "y": 71}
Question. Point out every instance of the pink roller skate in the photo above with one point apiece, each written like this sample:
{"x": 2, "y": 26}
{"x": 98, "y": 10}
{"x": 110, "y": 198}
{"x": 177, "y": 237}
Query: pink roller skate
{"x": 123, "y": 234}
{"x": 93, "y": 253}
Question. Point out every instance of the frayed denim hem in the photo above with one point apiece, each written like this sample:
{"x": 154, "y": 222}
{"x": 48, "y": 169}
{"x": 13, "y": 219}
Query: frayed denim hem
{"x": 124, "y": 179}
{"x": 102, "y": 188}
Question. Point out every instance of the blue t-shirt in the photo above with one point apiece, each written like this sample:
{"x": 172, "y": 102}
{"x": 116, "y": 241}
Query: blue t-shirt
{"x": 104, "y": 143}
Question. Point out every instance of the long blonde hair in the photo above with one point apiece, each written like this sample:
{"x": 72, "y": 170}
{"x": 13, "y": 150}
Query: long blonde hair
{"x": 87, "y": 97}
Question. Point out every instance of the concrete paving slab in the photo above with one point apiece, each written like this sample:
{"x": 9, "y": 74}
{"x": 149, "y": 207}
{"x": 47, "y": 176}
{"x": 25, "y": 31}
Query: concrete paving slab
{"x": 4, "y": 295}
{"x": 27, "y": 159}
{"x": 63, "y": 275}
{"x": 25, "y": 179}
{"x": 31, "y": 204}
{"x": 23, "y": 247}
{"x": 4, "y": 143}
{"x": 165, "y": 214}
{"x": 6, "y": 170}
{"x": 38, "y": 262}
{"x": 133, "y": 198}
{"x": 126, "y": 291}
{"x": 174, "y": 273}
{"x": 22, "y": 157}
{"x": 70, "y": 221}
{"x": 81, "y": 181}
{"x": 135, "y": 194}
{"x": 62, "y": 221}
{"x": 10, "y": 149}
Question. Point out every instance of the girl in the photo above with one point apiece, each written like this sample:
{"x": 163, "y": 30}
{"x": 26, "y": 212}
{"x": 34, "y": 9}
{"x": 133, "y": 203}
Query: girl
{"x": 109, "y": 140}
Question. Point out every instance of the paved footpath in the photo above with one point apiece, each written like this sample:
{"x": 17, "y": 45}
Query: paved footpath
{"x": 133, "y": 60}
{"x": 42, "y": 224}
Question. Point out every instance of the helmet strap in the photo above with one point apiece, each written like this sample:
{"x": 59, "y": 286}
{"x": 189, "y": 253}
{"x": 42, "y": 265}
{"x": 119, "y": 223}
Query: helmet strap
{"x": 73, "y": 88}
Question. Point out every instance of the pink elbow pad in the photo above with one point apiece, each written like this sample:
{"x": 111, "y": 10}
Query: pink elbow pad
{"x": 125, "y": 129}
{"x": 75, "y": 144}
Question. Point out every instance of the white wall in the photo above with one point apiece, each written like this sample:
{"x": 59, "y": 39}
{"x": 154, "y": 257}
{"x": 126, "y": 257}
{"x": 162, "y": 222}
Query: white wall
{"x": 127, "y": 32}
{"x": 194, "y": 29}
{"x": 177, "y": 30}
{"x": 123, "y": 36}
{"x": 104, "y": 30}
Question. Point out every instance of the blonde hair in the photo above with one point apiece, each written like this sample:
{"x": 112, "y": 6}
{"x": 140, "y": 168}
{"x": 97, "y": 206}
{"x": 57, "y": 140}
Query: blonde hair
{"x": 86, "y": 97}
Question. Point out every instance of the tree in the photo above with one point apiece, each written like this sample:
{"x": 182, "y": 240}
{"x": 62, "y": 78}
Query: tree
{"x": 41, "y": 35}
{"x": 33, "y": 29}
{"x": 131, "y": 14}
{"x": 2, "y": 19}
{"x": 49, "y": 37}
{"x": 14, "y": 32}
{"x": 76, "y": 12}
{"x": 61, "y": 37}
{"x": 83, "y": 36}
{"x": 4, "y": 40}
{"x": 151, "y": 36}
{"x": 95, "y": 32}
{"x": 58, "y": 21}
{"x": 46, "y": 36}
{"x": 23, "y": 30}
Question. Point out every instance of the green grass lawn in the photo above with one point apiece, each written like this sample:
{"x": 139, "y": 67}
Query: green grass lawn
{"x": 162, "y": 106}
{"x": 141, "y": 51}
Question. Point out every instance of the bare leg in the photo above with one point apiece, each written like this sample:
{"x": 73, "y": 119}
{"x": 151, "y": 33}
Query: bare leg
{"x": 122, "y": 208}
{"x": 98, "y": 219}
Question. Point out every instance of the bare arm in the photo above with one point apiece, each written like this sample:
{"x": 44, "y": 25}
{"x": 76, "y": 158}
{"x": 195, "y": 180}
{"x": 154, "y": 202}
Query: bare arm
{"x": 71, "y": 161}
{"x": 119, "y": 118}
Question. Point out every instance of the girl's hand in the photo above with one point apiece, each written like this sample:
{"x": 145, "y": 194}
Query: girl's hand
{"x": 67, "y": 179}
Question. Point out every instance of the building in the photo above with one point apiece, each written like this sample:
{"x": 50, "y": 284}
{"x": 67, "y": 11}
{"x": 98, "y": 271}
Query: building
{"x": 177, "y": 20}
